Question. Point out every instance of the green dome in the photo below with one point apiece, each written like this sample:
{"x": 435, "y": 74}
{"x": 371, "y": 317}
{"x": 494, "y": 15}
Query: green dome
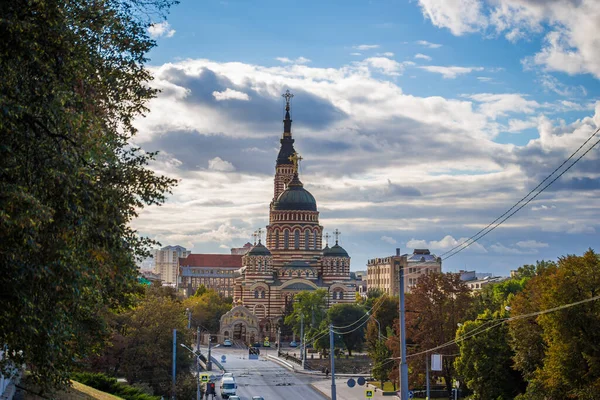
{"x": 259, "y": 250}
{"x": 335, "y": 251}
{"x": 295, "y": 197}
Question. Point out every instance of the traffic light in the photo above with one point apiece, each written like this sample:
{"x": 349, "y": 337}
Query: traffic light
{"x": 210, "y": 388}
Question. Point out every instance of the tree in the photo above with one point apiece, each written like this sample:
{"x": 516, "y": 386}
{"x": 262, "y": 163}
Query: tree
{"x": 142, "y": 343}
{"x": 382, "y": 365}
{"x": 310, "y": 305}
{"x": 343, "y": 315}
{"x": 434, "y": 308}
{"x": 72, "y": 80}
{"x": 207, "y": 309}
{"x": 558, "y": 351}
{"x": 386, "y": 312}
{"x": 485, "y": 363}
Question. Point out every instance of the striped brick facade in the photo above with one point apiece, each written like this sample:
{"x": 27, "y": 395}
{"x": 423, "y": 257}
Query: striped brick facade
{"x": 292, "y": 260}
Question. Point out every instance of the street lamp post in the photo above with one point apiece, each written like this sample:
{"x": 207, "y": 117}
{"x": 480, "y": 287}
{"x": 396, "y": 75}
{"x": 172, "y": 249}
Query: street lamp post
{"x": 197, "y": 355}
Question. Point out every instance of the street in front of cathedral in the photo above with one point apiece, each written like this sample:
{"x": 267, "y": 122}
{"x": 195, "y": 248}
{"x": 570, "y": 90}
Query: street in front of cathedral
{"x": 272, "y": 381}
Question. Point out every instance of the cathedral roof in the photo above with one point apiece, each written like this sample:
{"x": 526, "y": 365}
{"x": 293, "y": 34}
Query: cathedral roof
{"x": 259, "y": 250}
{"x": 335, "y": 251}
{"x": 295, "y": 198}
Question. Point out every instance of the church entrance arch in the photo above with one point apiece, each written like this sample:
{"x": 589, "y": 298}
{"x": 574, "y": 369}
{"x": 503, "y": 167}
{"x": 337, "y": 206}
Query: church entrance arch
{"x": 241, "y": 324}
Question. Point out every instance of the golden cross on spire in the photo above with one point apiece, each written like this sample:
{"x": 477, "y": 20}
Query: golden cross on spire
{"x": 254, "y": 235}
{"x": 337, "y": 234}
{"x": 259, "y": 233}
{"x": 295, "y": 158}
{"x": 327, "y": 236}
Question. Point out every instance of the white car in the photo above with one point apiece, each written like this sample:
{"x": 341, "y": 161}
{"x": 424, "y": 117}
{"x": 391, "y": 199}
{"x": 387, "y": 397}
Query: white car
{"x": 227, "y": 343}
{"x": 234, "y": 398}
{"x": 228, "y": 386}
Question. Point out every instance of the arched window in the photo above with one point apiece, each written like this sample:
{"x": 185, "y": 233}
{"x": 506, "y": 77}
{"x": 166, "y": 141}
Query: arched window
{"x": 306, "y": 240}
{"x": 297, "y": 239}
{"x": 262, "y": 294}
{"x": 286, "y": 239}
{"x": 256, "y": 294}
{"x": 277, "y": 239}
{"x": 334, "y": 295}
{"x": 315, "y": 240}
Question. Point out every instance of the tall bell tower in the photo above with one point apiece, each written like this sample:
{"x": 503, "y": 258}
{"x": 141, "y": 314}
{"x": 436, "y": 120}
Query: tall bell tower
{"x": 284, "y": 168}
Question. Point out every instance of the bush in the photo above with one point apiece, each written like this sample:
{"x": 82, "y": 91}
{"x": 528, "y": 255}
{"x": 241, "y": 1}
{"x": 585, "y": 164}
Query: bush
{"x": 110, "y": 385}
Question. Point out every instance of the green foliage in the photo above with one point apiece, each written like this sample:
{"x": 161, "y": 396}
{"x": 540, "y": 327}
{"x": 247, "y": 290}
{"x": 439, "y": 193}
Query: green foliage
{"x": 485, "y": 363}
{"x": 311, "y": 305}
{"x": 72, "y": 80}
{"x": 142, "y": 343}
{"x": 342, "y": 315}
{"x": 110, "y": 385}
{"x": 386, "y": 313}
{"x": 382, "y": 365}
{"x": 558, "y": 352}
{"x": 207, "y": 307}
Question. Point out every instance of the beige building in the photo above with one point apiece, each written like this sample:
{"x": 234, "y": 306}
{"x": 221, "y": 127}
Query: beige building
{"x": 167, "y": 263}
{"x": 214, "y": 271}
{"x": 383, "y": 273}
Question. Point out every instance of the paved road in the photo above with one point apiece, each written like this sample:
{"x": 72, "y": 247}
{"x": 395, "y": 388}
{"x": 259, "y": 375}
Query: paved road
{"x": 266, "y": 378}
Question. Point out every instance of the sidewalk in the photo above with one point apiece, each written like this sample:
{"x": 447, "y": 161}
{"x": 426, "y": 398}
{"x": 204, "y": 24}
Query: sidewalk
{"x": 343, "y": 392}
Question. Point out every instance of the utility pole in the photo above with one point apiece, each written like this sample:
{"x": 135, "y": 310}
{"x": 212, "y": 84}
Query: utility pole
{"x": 303, "y": 351}
{"x": 174, "y": 362}
{"x": 278, "y": 340}
{"x": 403, "y": 366}
{"x": 189, "y": 313}
{"x": 209, "y": 361}
{"x": 427, "y": 375}
{"x": 332, "y": 359}
{"x": 198, "y": 394}
{"x": 302, "y": 338}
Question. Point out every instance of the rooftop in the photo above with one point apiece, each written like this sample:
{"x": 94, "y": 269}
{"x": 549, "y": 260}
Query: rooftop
{"x": 212, "y": 260}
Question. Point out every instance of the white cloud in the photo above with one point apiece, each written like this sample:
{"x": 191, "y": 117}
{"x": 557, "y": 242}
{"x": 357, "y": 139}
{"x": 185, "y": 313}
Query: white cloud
{"x": 542, "y": 207}
{"x": 423, "y": 56}
{"x": 428, "y": 44}
{"x": 388, "y": 239}
{"x": 385, "y": 65}
{"x": 484, "y": 79}
{"x": 230, "y": 94}
{"x": 356, "y": 54}
{"x": 161, "y": 29}
{"x": 460, "y": 16}
{"x": 299, "y": 60}
{"x": 531, "y": 244}
{"x": 495, "y": 105}
{"x": 217, "y": 164}
{"x": 518, "y": 125}
{"x": 446, "y": 243}
{"x": 450, "y": 72}
{"x": 364, "y": 47}
{"x": 570, "y": 43}
{"x": 386, "y": 54}
{"x": 551, "y": 83}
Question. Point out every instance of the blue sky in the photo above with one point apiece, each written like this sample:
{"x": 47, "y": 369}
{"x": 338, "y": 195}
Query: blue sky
{"x": 419, "y": 121}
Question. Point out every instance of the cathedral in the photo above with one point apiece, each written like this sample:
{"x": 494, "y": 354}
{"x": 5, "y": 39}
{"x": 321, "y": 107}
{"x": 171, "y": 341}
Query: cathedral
{"x": 291, "y": 260}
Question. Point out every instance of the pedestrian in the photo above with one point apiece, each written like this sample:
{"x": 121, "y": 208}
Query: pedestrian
{"x": 326, "y": 372}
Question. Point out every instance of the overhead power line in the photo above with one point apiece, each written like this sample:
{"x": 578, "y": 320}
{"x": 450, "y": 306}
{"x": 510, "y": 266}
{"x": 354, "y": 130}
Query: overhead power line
{"x": 516, "y": 207}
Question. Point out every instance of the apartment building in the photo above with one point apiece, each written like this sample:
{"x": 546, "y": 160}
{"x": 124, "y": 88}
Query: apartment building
{"x": 167, "y": 263}
{"x": 383, "y": 273}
